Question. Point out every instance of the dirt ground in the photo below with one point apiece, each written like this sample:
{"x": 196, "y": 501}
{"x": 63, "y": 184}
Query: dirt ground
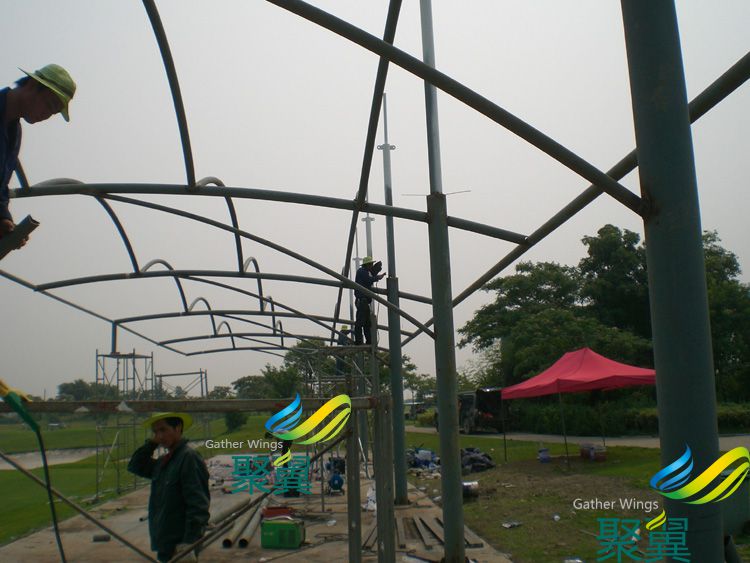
{"x": 529, "y": 510}
{"x": 325, "y": 526}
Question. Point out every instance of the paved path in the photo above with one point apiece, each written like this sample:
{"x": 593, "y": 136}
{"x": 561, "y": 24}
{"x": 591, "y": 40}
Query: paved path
{"x": 725, "y": 442}
{"x": 32, "y": 460}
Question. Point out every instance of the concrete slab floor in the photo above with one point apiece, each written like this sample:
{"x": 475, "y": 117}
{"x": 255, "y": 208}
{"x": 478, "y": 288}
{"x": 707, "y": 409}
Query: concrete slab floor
{"x": 325, "y": 526}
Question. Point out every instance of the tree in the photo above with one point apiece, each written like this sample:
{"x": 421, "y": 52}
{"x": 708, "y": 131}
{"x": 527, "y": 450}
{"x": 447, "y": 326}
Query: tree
{"x": 251, "y": 387}
{"x": 420, "y": 384}
{"x": 541, "y": 339}
{"x": 614, "y": 280}
{"x": 282, "y": 381}
{"x": 729, "y": 309}
{"x": 545, "y": 310}
{"x": 307, "y": 356}
{"x": 221, "y": 392}
{"x": 80, "y": 390}
{"x": 234, "y": 420}
{"x": 77, "y": 390}
{"x": 533, "y": 288}
{"x": 485, "y": 369}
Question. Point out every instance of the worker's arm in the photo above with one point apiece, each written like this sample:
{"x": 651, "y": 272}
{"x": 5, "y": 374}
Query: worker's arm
{"x": 142, "y": 462}
{"x": 194, "y": 479}
{"x": 4, "y": 211}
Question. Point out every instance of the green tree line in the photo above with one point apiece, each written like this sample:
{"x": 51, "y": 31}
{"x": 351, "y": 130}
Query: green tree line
{"x": 546, "y": 309}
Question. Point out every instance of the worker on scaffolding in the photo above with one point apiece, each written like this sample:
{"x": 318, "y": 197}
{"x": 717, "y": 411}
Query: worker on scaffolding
{"x": 343, "y": 340}
{"x": 36, "y": 97}
{"x": 367, "y": 274}
{"x": 178, "y": 506}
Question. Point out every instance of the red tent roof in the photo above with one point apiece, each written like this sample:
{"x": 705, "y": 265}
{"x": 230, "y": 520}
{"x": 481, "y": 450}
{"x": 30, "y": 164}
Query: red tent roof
{"x": 582, "y": 370}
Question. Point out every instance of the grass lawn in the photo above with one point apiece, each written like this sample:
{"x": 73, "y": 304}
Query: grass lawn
{"x": 25, "y": 506}
{"x": 527, "y": 491}
{"x": 522, "y": 489}
{"x": 15, "y": 438}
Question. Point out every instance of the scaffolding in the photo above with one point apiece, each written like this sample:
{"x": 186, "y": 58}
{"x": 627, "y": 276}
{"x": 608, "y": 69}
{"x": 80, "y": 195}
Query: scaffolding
{"x": 199, "y": 379}
{"x": 125, "y": 376}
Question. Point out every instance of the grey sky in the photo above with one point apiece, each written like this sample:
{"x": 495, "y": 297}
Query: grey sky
{"x": 275, "y": 102}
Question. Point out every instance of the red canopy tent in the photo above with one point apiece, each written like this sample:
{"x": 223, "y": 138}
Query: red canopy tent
{"x": 581, "y": 370}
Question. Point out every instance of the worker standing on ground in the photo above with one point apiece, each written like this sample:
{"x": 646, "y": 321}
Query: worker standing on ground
{"x": 36, "y": 97}
{"x": 367, "y": 274}
{"x": 178, "y": 505}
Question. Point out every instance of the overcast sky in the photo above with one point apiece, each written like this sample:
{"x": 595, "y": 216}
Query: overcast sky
{"x": 275, "y": 102}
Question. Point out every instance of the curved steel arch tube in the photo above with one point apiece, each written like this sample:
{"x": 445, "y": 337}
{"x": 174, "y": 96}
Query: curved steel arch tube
{"x": 251, "y": 294}
{"x": 254, "y": 262}
{"x": 76, "y": 306}
{"x": 218, "y": 313}
{"x": 76, "y": 188}
{"x": 242, "y": 335}
{"x": 469, "y": 97}
{"x": 231, "y": 334}
{"x": 228, "y": 313}
{"x": 208, "y": 306}
{"x": 187, "y": 274}
{"x": 346, "y": 281}
{"x": 121, "y": 230}
{"x": 107, "y": 208}
{"x": 273, "y": 313}
{"x": 213, "y": 180}
{"x": 169, "y": 267}
{"x": 264, "y": 349}
{"x": 174, "y": 86}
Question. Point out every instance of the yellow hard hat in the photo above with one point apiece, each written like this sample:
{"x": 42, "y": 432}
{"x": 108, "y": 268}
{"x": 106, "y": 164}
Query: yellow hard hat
{"x": 367, "y": 260}
{"x": 344, "y": 328}
{"x": 57, "y": 79}
{"x": 187, "y": 420}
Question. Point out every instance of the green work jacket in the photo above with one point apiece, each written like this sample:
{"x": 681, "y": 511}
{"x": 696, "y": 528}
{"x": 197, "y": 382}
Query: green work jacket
{"x": 178, "y": 505}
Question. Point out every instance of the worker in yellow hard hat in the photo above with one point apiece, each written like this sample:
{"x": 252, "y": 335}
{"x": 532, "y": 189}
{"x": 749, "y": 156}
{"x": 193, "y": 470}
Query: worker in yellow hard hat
{"x": 367, "y": 274}
{"x": 37, "y": 96}
{"x": 344, "y": 339}
{"x": 178, "y": 508}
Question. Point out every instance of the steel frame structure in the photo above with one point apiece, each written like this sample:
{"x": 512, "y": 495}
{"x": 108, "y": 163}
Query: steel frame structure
{"x": 653, "y": 206}
{"x": 132, "y": 375}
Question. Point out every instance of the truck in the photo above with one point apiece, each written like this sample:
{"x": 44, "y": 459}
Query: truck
{"x": 480, "y": 408}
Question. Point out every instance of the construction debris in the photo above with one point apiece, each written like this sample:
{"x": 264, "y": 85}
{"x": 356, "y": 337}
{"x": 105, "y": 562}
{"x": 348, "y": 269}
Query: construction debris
{"x": 474, "y": 460}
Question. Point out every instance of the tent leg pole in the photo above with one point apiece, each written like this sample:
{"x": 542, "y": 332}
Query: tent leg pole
{"x": 565, "y": 433}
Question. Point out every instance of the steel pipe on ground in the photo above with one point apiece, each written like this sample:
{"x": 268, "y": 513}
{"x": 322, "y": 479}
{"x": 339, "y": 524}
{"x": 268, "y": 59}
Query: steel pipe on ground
{"x": 247, "y": 533}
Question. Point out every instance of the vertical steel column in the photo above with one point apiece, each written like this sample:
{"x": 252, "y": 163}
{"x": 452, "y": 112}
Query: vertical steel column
{"x": 394, "y": 329}
{"x": 674, "y": 252}
{"x": 442, "y": 309}
{"x": 383, "y": 451}
{"x": 353, "y": 501}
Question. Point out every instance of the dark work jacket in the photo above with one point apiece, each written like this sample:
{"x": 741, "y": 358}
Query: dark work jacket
{"x": 365, "y": 278}
{"x": 178, "y": 506}
{"x": 10, "y": 144}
